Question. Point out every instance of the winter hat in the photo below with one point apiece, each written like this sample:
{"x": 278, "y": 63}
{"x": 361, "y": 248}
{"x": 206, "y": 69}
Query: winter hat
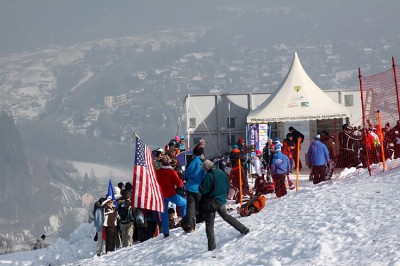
{"x": 172, "y": 143}
{"x": 43, "y": 236}
{"x": 258, "y": 153}
{"x": 181, "y": 137}
{"x": 117, "y": 193}
{"x": 240, "y": 140}
{"x": 177, "y": 138}
{"x": 276, "y": 139}
{"x": 107, "y": 200}
{"x": 278, "y": 147}
{"x": 235, "y": 146}
{"x": 318, "y": 136}
{"x": 291, "y": 128}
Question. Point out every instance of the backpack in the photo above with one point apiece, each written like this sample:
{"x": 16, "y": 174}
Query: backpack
{"x": 123, "y": 211}
{"x": 140, "y": 219}
{"x": 265, "y": 187}
{"x": 252, "y": 206}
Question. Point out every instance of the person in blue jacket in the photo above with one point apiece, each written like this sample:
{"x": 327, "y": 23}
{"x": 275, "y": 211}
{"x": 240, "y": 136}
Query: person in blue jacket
{"x": 317, "y": 159}
{"x": 280, "y": 168}
{"x": 194, "y": 176}
{"x": 98, "y": 223}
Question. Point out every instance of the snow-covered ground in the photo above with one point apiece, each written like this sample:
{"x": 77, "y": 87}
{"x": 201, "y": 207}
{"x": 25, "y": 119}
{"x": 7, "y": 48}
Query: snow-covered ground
{"x": 351, "y": 220}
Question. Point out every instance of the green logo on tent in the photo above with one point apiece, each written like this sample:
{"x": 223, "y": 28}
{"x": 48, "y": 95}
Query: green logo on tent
{"x": 304, "y": 104}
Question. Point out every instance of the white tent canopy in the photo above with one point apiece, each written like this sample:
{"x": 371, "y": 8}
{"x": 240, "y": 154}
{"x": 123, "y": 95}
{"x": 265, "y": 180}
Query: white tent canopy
{"x": 298, "y": 98}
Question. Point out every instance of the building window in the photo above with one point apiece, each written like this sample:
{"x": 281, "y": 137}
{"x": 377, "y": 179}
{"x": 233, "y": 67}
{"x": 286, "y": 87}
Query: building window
{"x": 231, "y": 140}
{"x": 192, "y": 122}
{"x": 349, "y": 100}
{"x": 230, "y": 122}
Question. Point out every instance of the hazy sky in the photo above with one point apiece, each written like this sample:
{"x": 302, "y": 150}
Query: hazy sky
{"x": 27, "y": 24}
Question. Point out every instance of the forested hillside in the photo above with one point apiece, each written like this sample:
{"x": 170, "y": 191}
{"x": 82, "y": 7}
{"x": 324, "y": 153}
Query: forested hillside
{"x": 16, "y": 184}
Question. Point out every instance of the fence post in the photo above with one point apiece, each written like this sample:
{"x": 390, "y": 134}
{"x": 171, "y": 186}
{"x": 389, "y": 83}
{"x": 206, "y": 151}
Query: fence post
{"x": 364, "y": 119}
{"x": 397, "y": 86}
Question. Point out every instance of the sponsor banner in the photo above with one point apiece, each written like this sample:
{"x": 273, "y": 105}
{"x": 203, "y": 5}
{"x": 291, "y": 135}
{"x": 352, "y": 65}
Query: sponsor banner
{"x": 293, "y": 118}
{"x": 262, "y": 135}
{"x": 253, "y": 138}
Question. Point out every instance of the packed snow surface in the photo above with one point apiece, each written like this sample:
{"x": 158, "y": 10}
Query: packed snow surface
{"x": 351, "y": 220}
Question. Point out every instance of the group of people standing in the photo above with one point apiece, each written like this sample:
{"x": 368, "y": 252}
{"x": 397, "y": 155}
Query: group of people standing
{"x": 118, "y": 224}
{"x": 184, "y": 190}
{"x": 181, "y": 190}
{"x": 278, "y": 159}
{"x": 273, "y": 164}
{"x": 359, "y": 147}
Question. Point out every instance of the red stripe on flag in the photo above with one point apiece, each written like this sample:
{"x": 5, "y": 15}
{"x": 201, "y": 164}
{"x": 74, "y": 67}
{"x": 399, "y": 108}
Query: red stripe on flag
{"x": 146, "y": 192}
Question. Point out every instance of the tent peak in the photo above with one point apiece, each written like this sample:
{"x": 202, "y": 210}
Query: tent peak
{"x": 297, "y": 98}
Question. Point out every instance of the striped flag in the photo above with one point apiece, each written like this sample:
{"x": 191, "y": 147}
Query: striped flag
{"x": 146, "y": 192}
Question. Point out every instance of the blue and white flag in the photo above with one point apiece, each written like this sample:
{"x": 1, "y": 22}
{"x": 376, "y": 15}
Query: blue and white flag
{"x": 111, "y": 193}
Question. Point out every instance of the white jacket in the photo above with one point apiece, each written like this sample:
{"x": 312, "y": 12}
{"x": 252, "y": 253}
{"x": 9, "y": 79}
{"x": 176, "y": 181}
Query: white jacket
{"x": 257, "y": 166}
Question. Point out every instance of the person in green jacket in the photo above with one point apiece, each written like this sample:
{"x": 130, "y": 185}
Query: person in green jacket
{"x": 216, "y": 185}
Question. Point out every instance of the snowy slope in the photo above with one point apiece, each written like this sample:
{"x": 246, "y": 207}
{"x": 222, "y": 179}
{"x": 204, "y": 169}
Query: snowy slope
{"x": 351, "y": 220}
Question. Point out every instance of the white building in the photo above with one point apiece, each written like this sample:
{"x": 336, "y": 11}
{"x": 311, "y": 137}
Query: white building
{"x": 221, "y": 119}
{"x": 113, "y": 101}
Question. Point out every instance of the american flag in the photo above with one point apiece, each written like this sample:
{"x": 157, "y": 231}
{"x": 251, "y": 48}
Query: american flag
{"x": 146, "y": 192}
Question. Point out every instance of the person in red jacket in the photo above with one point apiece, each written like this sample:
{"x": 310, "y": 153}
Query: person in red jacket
{"x": 169, "y": 180}
{"x": 288, "y": 148}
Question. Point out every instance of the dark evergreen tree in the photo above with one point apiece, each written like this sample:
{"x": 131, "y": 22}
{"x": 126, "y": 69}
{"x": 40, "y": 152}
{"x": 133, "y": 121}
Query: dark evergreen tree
{"x": 15, "y": 179}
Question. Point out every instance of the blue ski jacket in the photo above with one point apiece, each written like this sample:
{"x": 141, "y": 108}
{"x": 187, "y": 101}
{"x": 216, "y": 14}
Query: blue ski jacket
{"x": 194, "y": 175}
{"x": 280, "y": 164}
{"x": 317, "y": 154}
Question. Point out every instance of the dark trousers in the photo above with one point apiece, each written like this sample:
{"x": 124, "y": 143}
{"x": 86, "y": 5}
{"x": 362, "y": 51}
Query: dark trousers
{"x": 295, "y": 160}
{"x": 192, "y": 208}
{"x": 280, "y": 185}
{"x": 150, "y": 230}
{"x": 209, "y": 220}
{"x": 319, "y": 173}
{"x": 110, "y": 238}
